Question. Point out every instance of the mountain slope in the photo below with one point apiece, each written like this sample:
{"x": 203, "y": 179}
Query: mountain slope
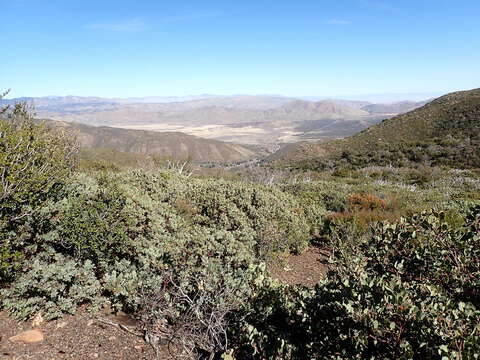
{"x": 244, "y": 109}
{"x": 448, "y": 126}
{"x": 174, "y": 145}
{"x": 393, "y": 108}
{"x": 456, "y": 114}
{"x": 306, "y": 110}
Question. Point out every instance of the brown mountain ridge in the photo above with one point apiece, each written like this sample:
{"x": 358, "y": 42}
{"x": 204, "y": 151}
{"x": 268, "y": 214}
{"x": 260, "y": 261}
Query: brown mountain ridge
{"x": 175, "y": 145}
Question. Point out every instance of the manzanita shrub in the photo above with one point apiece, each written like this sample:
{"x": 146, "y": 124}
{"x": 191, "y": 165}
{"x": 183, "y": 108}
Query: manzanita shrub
{"x": 409, "y": 291}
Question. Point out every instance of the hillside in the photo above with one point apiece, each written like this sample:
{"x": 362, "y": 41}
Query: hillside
{"x": 393, "y": 108}
{"x": 447, "y": 127}
{"x": 174, "y": 145}
{"x": 168, "y": 260}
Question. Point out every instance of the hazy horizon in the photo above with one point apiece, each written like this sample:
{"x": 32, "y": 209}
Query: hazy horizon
{"x": 374, "y": 97}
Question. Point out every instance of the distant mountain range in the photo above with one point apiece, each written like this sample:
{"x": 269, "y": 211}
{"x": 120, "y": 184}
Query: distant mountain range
{"x": 244, "y": 119}
{"x": 64, "y": 105}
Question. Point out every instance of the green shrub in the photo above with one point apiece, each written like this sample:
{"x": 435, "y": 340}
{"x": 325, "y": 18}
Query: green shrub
{"x": 135, "y": 228}
{"x": 212, "y": 275}
{"x": 95, "y": 223}
{"x": 278, "y": 220}
{"x": 53, "y": 284}
{"x": 35, "y": 160}
{"x": 411, "y": 290}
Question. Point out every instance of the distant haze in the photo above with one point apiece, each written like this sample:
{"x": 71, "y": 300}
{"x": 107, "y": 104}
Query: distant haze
{"x": 154, "y": 99}
{"x": 382, "y": 97}
{"x": 247, "y": 119}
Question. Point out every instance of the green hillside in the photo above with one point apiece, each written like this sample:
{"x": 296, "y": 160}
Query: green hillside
{"x": 443, "y": 132}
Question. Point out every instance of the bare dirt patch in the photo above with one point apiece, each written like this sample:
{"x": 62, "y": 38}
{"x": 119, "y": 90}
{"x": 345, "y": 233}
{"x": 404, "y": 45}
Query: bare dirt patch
{"x": 307, "y": 268}
{"x": 77, "y": 336}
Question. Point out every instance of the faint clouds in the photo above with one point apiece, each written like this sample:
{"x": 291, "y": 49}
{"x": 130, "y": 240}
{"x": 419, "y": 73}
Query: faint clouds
{"x": 127, "y": 26}
{"x": 338, "y": 22}
{"x": 138, "y": 25}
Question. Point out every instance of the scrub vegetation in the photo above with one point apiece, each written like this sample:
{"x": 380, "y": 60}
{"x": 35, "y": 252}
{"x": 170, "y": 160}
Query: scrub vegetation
{"x": 187, "y": 251}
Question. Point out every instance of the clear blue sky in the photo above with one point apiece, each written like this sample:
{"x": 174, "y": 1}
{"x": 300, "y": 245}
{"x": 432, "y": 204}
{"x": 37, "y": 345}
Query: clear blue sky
{"x": 315, "y": 47}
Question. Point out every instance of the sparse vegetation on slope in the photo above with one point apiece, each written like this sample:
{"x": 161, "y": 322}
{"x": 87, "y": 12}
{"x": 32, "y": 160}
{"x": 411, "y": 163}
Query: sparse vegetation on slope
{"x": 443, "y": 132}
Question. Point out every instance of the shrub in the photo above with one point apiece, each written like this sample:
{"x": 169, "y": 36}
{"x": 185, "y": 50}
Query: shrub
{"x": 361, "y": 220}
{"x": 95, "y": 223}
{"x": 334, "y": 202}
{"x": 156, "y": 237}
{"x": 366, "y": 202}
{"x": 212, "y": 275}
{"x": 278, "y": 220}
{"x": 98, "y": 165}
{"x": 411, "y": 290}
{"x": 423, "y": 175}
{"x": 53, "y": 284}
{"x": 35, "y": 160}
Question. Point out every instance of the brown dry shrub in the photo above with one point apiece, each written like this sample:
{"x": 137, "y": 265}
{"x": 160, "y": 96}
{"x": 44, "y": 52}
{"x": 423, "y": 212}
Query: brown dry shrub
{"x": 359, "y": 202}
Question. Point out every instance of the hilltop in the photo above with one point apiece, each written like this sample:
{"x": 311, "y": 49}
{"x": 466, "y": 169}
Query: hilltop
{"x": 444, "y": 131}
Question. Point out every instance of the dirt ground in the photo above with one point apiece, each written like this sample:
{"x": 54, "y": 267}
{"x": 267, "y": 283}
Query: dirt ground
{"x": 74, "y": 337}
{"x": 305, "y": 269}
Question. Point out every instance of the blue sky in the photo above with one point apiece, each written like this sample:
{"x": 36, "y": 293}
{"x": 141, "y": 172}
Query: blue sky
{"x": 322, "y": 47}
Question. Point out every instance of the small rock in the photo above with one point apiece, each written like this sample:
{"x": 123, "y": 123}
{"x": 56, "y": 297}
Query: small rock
{"x": 30, "y": 336}
{"x": 95, "y": 355}
{"x": 112, "y": 338}
{"x": 90, "y": 322}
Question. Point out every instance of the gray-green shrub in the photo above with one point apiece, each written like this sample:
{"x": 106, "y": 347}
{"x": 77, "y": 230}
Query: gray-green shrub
{"x": 409, "y": 291}
{"x": 35, "y": 161}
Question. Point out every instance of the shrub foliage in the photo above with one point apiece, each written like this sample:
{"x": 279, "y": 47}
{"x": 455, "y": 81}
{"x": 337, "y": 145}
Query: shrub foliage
{"x": 411, "y": 290}
{"x": 34, "y": 162}
{"x": 187, "y": 255}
